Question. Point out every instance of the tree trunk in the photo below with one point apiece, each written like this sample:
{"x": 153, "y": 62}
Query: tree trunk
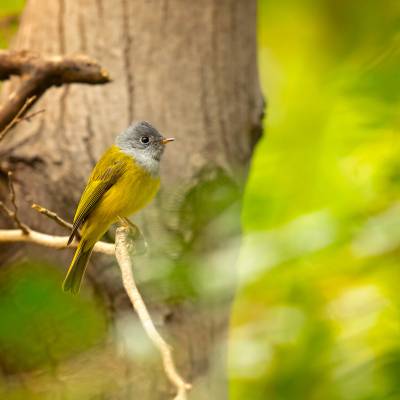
{"x": 190, "y": 68}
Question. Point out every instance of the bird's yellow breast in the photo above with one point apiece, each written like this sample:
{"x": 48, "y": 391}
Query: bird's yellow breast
{"x": 133, "y": 191}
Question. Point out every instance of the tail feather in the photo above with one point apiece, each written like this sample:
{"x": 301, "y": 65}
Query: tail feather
{"x": 77, "y": 269}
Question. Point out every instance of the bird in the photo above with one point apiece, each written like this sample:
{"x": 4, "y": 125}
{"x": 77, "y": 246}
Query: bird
{"x": 123, "y": 181}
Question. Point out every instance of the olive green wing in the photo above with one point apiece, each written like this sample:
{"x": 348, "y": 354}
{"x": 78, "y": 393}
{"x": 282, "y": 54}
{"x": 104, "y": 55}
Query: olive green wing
{"x": 105, "y": 174}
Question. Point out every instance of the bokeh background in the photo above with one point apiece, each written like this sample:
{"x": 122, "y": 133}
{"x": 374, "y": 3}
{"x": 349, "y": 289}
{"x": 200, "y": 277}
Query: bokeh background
{"x": 316, "y": 314}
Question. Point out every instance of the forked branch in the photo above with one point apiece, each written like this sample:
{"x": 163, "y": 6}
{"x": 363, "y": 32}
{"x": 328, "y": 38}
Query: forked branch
{"x": 38, "y": 73}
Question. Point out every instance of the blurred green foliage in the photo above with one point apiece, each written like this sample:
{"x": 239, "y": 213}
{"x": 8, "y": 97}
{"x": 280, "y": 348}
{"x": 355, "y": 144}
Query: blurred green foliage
{"x": 10, "y": 7}
{"x": 9, "y": 14}
{"x": 40, "y": 324}
{"x": 317, "y": 315}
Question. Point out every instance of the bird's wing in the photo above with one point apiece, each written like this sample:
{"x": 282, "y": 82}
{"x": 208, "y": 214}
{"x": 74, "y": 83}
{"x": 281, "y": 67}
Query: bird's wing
{"x": 106, "y": 172}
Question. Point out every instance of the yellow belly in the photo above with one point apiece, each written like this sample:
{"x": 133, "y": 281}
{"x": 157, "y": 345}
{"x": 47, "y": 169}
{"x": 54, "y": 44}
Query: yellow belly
{"x": 134, "y": 190}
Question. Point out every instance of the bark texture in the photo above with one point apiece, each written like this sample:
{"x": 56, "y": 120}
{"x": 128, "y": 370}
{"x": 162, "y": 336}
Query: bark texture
{"x": 190, "y": 68}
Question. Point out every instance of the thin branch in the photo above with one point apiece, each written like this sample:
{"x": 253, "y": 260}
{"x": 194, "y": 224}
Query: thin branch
{"x": 7, "y": 212}
{"x": 11, "y": 189}
{"x": 13, "y": 215}
{"x": 38, "y": 73}
{"x": 52, "y": 215}
{"x": 26, "y": 234}
{"x": 55, "y": 242}
{"x": 31, "y": 115}
{"x": 123, "y": 245}
{"x": 17, "y": 117}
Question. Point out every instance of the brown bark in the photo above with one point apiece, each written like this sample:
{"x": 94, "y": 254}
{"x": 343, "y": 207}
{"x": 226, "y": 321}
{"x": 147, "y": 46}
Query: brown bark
{"x": 190, "y": 68}
{"x": 38, "y": 74}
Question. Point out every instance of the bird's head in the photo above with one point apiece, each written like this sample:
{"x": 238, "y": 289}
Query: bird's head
{"x": 144, "y": 143}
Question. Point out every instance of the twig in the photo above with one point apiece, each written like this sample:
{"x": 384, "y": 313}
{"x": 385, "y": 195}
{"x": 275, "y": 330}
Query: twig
{"x": 122, "y": 252}
{"x": 26, "y": 234}
{"x": 55, "y": 217}
{"x": 11, "y": 189}
{"x": 13, "y": 214}
{"x": 31, "y": 115}
{"x": 17, "y": 117}
{"x": 52, "y": 215}
{"x": 7, "y": 212}
{"x": 55, "y": 242}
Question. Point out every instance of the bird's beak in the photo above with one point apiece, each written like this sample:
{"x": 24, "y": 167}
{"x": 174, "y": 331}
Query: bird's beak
{"x": 167, "y": 140}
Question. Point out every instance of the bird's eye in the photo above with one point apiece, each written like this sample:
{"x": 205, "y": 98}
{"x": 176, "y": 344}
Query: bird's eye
{"x": 144, "y": 139}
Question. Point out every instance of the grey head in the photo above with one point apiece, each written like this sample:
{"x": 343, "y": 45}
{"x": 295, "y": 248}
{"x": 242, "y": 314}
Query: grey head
{"x": 144, "y": 144}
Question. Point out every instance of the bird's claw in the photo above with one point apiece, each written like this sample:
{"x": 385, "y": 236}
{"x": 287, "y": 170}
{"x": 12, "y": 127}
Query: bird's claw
{"x": 137, "y": 236}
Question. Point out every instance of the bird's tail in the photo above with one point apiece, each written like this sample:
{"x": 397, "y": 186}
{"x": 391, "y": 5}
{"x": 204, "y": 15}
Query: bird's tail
{"x": 73, "y": 280}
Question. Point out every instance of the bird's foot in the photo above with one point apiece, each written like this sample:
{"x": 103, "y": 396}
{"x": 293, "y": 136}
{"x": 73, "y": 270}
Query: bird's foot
{"x": 136, "y": 235}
